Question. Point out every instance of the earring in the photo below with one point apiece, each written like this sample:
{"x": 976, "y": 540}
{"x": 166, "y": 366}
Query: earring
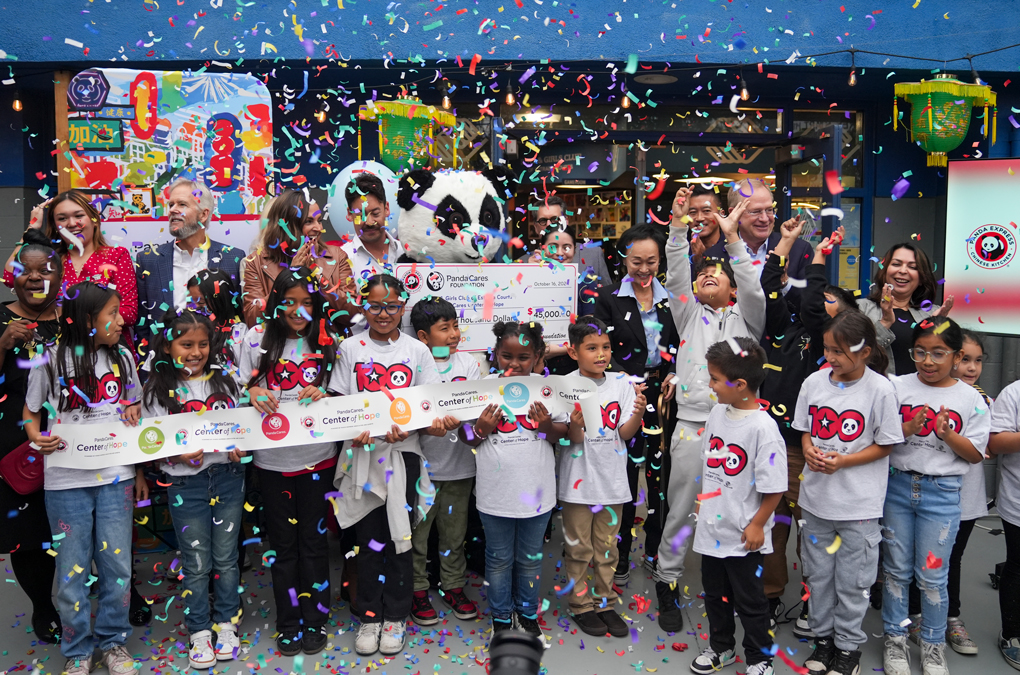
{"x": 955, "y": 366}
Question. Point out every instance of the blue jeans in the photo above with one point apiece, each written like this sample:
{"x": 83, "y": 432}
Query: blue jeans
{"x": 513, "y": 563}
{"x": 922, "y": 516}
{"x": 207, "y": 536}
{"x": 92, "y": 524}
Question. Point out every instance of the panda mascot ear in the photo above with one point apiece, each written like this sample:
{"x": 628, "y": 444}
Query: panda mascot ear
{"x": 499, "y": 178}
{"x": 413, "y": 184}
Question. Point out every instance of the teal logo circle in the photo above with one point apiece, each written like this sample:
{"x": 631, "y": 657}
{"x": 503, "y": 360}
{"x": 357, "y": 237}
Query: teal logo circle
{"x": 515, "y": 395}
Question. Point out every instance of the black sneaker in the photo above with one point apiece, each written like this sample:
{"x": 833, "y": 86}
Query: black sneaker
{"x": 313, "y": 640}
{"x": 590, "y": 623}
{"x": 47, "y": 627}
{"x": 821, "y": 661}
{"x": 802, "y": 628}
{"x": 289, "y": 643}
{"x": 847, "y": 663}
{"x": 500, "y": 626}
{"x": 422, "y": 611}
{"x": 671, "y": 619}
{"x": 530, "y": 626}
{"x": 776, "y": 609}
{"x": 615, "y": 624}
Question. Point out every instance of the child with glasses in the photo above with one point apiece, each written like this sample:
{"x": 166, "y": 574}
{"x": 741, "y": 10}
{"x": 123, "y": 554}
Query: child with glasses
{"x": 946, "y": 425}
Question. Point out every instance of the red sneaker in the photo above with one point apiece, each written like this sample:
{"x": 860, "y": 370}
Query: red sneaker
{"x": 459, "y": 603}
{"x": 422, "y": 611}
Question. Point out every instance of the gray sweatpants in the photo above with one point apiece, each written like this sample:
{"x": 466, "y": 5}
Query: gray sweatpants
{"x": 839, "y": 581}
{"x": 681, "y": 494}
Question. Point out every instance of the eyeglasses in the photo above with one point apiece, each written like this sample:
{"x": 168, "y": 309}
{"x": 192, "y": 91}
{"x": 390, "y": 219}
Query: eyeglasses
{"x": 546, "y": 222}
{"x": 918, "y": 355}
{"x": 757, "y": 213}
{"x": 376, "y": 310}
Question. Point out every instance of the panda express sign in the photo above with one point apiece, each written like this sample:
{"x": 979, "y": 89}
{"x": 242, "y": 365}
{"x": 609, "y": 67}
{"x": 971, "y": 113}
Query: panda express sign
{"x": 337, "y": 418}
{"x": 490, "y": 293}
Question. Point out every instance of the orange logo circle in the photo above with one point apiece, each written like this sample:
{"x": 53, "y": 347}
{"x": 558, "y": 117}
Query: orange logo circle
{"x": 400, "y": 411}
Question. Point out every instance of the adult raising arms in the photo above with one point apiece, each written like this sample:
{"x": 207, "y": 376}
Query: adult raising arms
{"x": 902, "y": 296}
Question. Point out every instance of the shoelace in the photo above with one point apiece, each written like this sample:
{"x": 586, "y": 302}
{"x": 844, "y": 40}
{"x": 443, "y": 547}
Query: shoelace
{"x": 935, "y": 653}
{"x": 898, "y": 652}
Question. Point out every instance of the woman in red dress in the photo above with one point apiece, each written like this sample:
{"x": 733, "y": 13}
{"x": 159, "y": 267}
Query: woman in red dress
{"x": 73, "y": 224}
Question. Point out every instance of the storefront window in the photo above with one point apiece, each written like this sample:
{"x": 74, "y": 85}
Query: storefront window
{"x": 811, "y": 123}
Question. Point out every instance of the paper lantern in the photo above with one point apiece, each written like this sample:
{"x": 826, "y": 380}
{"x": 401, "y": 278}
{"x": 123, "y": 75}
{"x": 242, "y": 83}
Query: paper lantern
{"x": 940, "y": 113}
{"x": 407, "y": 132}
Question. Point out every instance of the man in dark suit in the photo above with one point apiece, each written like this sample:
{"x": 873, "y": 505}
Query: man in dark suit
{"x": 163, "y": 271}
{"x": 551, "y": 214}
{"x": 756, "y": 229}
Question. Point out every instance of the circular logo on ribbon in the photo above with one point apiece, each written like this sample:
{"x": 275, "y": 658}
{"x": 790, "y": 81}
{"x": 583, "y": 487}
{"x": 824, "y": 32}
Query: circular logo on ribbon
{"x": 150, "y": 441}
{"x": 400, "y": 411}
{"x": 275, "y": 427}
{"x": 515, "y": 395}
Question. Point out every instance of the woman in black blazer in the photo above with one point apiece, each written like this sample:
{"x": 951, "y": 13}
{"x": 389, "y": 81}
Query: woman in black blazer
{"x": 645, "y": 342}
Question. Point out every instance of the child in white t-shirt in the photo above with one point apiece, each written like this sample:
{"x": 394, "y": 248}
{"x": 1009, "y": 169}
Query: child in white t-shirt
{"x": 743, "y": 479}
{"x": 593, "y": 484}
{"x": 849, "y": 419}
{"x": 451, "y": 466}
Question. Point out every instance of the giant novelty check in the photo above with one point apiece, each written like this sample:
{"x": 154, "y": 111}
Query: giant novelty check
{"x": 336, "y": 418}
{"x": 490, "y": 293}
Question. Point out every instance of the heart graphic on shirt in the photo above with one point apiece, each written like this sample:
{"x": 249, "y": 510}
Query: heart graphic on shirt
{"x": 732, "y": 463}
{"x": 374, "y": 376}
{"x": 611, "y": 415}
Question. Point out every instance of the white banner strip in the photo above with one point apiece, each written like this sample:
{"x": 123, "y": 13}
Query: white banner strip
{"x": 334, "y": 418}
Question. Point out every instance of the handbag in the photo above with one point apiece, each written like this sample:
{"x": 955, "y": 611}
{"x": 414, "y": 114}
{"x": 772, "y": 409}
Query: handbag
{"x": 22, "y": 469}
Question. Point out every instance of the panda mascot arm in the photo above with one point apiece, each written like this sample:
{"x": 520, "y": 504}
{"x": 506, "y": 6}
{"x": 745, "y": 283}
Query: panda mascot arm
{"x": 451, "y": 216}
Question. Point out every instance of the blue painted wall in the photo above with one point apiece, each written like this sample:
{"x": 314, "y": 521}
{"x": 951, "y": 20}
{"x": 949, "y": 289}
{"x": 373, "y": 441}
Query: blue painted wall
{"x": 715, "y": 31}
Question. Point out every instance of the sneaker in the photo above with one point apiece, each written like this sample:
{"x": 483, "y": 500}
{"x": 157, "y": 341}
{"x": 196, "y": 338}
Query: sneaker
{"x": 313, "y": 640}
{"x": 119, "y": 662}
{"x": 590, "y": 623}
{"x": 671, "y": 619}
{"x": 78, "y": 666}
{"x": 709, "y": 662}
{"x": 422, "y": 611}
{"x": 392, "y": 641}
{"x": 529, "y": 625}
{"x": 201, "y": 654}
{"x": 760, "y": 668}
{"x": 914, "y": 632}
{"x": 366, "y": 642}
{"x": 846, "y": 663}
{"x": 958, "y": 638}
{"x": 615, "y": 624}
{"x": 820, "y": 662}
{"x": 933, "y": 659}
{"x": 776, "y": 609}
{"x": 652, "y": 564}
{"x": 500, "y": 626}
{"x": 46, "y": 628}
{"x": 460, "y": 604}
{"x": 802, "y": 629}
{"x": 227, "y": 643}
{"x": 621, "y": 577}
{"x": 896, "y": 657}
{"x": 1010, "y": 651}
{"x": 289, "y": 643}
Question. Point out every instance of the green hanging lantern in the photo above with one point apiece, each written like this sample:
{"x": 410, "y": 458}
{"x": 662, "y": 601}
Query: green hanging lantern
{"x": 940, "y": 113}
{"x": 407, "y": 132}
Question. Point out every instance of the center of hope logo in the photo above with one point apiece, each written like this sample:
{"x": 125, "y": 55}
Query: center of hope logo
{"x": 150, "y": 441}
{"x": 515, "y": 395}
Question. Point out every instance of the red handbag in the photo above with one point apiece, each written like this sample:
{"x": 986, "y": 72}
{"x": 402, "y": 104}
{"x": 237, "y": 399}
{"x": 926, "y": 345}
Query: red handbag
{"x": 22, "y": 469}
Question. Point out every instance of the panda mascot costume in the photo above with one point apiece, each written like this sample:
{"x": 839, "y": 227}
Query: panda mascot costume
{"x": 451, "y": 216}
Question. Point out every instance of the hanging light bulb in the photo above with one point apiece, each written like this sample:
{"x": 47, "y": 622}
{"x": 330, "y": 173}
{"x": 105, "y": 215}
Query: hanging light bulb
{"x": 626, "y": 101}
{"x": 853, "y": 68}
{"x": 446, "y": 102}
{"x": 17, "y": 102}
{"x": 510, "y": 99}
{"x": 321, "y": 115}
{"x": 853, "y": 77}
{"x": 745, "y": 95}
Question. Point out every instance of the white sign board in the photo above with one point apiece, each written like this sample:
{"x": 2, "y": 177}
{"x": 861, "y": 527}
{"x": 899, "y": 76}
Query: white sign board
{"x": 487, "y": 294}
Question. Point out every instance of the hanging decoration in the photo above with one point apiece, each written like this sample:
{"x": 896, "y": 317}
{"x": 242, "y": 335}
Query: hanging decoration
{"x": 940, "y": 112}
{"x": 407, "y": 132}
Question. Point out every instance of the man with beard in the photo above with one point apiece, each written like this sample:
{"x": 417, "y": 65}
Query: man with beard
{"x": 163, "y": 271}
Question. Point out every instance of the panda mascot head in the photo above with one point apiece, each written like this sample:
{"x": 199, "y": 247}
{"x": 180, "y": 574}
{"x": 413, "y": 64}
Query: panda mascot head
{"x": 451, "y": 216}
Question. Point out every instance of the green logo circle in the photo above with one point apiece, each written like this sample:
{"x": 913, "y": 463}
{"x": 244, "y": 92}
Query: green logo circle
{"x": 150, "y": 441}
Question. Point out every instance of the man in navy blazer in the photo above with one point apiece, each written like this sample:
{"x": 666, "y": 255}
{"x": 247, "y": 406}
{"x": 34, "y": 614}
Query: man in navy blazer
{"x": 163, "y": 271}
{"x": 756, "y": 228}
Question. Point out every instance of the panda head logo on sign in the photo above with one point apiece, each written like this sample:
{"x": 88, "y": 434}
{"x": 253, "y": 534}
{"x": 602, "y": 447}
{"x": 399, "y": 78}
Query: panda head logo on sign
{"x": 991, "y": 247}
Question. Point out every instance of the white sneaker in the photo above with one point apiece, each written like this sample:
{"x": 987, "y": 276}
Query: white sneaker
{"x": 366, "y": 642}
{"x": 933, "y": 659}
{"x": 119, "y": 661}
{"x": 78, "y": 666}
{"x": 762, "y": 668}
{"x": 227, "y": 643}
{"x": 392, "y": 642}
{"x": 896, "y": 658}
{"x": 202, "y": 654}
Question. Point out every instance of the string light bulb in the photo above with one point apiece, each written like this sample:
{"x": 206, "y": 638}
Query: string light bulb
{"x": 853, "y": 68}
{"x": 17, "y": 102}
{"x": 510, "y": 98}
{"x": 745, "y": 95}
{"x": 446, "y": 102}
{"x": 321, "y": 115}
